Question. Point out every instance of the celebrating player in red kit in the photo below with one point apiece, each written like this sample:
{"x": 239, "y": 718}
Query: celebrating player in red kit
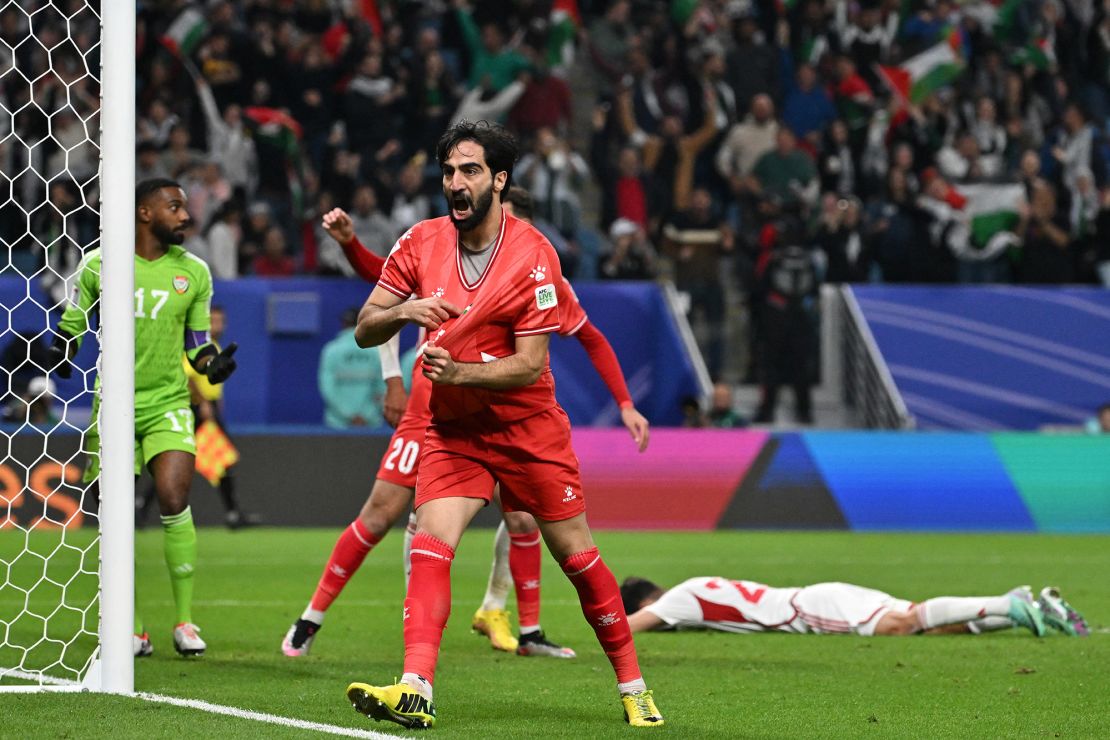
{"x": 485, "y": 287}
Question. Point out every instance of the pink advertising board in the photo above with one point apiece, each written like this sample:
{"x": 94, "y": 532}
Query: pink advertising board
{"x": 684, "y": 480}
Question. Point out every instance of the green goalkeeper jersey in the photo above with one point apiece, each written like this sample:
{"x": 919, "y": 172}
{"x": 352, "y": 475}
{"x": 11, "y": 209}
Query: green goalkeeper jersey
{"x": 172, "y": 299}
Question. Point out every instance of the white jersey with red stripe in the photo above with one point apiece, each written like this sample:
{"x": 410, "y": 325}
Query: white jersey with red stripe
{"x": 731, "y": 606}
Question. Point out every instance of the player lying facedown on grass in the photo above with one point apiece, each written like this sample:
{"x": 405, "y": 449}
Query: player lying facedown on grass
{"x": 488, "y": 298}
{"x": 837, "y": 608}
{"x": 517, "y": 556}
{"x": 173, "y": 293}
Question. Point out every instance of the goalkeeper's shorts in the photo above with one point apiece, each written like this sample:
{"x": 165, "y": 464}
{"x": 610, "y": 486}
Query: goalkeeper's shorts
{"x": 531, "y": 458}
{"x": 157, "y": 430}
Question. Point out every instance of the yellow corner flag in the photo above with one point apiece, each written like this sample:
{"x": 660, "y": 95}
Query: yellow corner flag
{"x": 215, "y": 452}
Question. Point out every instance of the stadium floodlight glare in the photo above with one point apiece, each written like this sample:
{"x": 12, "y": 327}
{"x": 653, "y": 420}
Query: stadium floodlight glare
{"x": 66, "y": 624}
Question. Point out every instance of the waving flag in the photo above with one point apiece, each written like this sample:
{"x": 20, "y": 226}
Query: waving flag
{"x": 922, "y": 75}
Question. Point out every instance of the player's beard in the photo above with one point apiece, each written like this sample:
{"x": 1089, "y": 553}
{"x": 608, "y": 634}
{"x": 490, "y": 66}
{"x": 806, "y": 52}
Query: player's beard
{"x": 478, "y": 209}
{"x": 167, "y": 235}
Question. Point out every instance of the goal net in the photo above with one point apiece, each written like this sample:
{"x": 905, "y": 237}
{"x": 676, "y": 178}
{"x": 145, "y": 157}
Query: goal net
{"x": 56, "y": 536}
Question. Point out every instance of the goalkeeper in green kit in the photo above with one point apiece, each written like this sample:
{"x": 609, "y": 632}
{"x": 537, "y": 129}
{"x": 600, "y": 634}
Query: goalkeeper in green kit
{"x": 173, "y": 292}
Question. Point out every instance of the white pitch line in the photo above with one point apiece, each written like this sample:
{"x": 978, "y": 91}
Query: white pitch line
{"x": 272, "y": 719}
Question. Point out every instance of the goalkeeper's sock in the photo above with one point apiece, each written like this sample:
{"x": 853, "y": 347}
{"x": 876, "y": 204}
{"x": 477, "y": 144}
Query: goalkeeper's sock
{"x": 524, "y": 562}
{"x": 427, "y": 605}
{"x": 406, "y": 548}
{"x": 953, "y": 609}
{"x": 138, "y": 624}
{"x": 500, "y": 575}
{"x": 602, "y": 607}
{"x": 179, "y": 541}
{"x": 346, "y": 557}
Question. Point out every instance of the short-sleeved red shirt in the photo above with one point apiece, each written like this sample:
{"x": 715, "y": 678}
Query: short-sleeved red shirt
{"x": 517, "y": 295}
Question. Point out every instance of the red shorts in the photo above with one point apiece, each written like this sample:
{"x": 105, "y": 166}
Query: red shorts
{"x": 532, "y": 459}
{"x": 399, "y": 464}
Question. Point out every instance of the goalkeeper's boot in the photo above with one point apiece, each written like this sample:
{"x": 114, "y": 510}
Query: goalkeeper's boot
{"x": 1060, "y": 615}
{"x": 494, "y": 624}
{"x": 536, "y": 643}
{"x": 1025, "y": 612}
{"x": 398, "y": 703}
{"x": 298, "y": 640}
{"x": 640, "y": 710}
{"x": 186, "y": 641}
{"x": 144, "y": 648}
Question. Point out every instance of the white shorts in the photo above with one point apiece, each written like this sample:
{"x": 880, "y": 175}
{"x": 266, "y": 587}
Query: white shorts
{"x": 844, "y": 608}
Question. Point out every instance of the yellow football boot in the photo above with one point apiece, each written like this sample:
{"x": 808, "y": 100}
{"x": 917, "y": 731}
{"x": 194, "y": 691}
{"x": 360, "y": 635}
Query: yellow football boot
{"x": 398, "y": 703}
{"x": 640, "y": 710}
{"x": 494, "y": 624}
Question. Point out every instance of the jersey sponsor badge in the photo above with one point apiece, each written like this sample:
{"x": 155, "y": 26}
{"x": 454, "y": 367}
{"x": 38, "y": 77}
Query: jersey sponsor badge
{"x": 180, "y": 284}
{"x": 546, "y": 298}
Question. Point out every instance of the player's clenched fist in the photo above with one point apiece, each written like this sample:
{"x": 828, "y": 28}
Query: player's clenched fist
{"x": 339, "y": 225}
{"x": 428, "y": 312}
{"x": 438, "y": 365}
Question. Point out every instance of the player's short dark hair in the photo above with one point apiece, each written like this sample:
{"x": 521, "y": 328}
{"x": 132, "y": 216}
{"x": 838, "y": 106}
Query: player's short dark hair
{"x": 152, "y": 185}
{"x": 500, "y": 146}
{"x": 633, "y": 592}
{"x": 523, "y": 204}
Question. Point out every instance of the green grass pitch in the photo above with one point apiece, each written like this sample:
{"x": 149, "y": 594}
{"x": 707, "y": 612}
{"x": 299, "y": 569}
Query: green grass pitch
{"x": 252, "y": 584}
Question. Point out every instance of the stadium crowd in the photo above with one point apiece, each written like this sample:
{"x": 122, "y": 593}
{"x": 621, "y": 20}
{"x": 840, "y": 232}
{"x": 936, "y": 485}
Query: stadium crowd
{"x": 754, "y": 146}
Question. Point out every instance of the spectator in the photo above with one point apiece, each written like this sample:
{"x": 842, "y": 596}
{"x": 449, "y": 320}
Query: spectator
{"x": 837, "y": 164}
{"x": 554, "y": 173}
{"x": 808, "y": 108}
{"x": 696, "y": 239}
{"x": 224, "y": 233}
{"x": 493, "y": 64}
{"x": 722, "y": 411}
{"x": 544, "y": 104}
{"x": 229, "y": 142}
{"x": 148, "y": 162}
{"x": 1100, "y": 424}
{"x": 785, "y": 175}
{"x": 179, "y": 155}
{"x": 410, "y": 203}
{"x": 631, "y": 256}
{"x": 372, "y": 227}
{"x": 753, "y": 64}
{"x": 841, "y": 241}
{"x": 273, "y": 261}
{"x": 1046, "y": 254}
{"x": 608, "y": 43}
{"x": 350, "y": 380}
{"x": 747, "y": 141}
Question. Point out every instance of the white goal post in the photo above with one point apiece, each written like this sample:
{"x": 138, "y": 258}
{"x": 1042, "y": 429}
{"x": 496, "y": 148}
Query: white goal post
{"x": 66, "y": 593}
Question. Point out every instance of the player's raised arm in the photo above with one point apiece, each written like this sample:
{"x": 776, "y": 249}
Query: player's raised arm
{"x": 365, "y": 263}
{"x": 519, "y": 369}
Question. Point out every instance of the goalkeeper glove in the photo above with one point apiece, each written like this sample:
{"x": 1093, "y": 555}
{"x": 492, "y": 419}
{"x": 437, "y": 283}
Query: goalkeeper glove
{"x": 58, "y": 352}
{"x": 220, "y": 367}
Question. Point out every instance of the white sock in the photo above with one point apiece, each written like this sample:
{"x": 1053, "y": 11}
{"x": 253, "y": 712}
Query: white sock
{"x": 500, "y": 578}
{"x": 529, "y": 629}
{"x": 419, "y": 683}
{"x": 313, "y": 615}
{"x": 632, "y": 687}
{"x": 954, "y": 609}
{"x": 406, "y": 549}
{"x": 989, "y": 624}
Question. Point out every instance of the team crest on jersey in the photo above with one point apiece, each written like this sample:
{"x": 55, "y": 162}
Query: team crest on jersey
{"x": 546, "y": 298}
{"x": 538, "y": 274}
{"x": 180, "y": 284}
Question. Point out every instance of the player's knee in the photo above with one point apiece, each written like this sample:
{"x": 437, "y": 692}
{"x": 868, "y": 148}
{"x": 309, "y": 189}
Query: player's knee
{"x": 173, "y": 500}
{"x": 520, "y": 522}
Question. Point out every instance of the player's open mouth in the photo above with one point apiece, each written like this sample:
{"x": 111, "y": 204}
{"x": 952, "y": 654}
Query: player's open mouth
{"x": 460, "y": 206}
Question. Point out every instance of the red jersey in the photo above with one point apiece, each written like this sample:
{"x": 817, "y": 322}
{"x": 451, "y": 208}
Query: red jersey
{"x": 515, "y": 296}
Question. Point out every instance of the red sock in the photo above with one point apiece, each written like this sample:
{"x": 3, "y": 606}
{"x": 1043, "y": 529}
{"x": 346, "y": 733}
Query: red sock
{"x": 428, "y": 604}
{"x": 524, "y": 564}
{"x": 601, "y": 603}
{"x": 349, "y": 552}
